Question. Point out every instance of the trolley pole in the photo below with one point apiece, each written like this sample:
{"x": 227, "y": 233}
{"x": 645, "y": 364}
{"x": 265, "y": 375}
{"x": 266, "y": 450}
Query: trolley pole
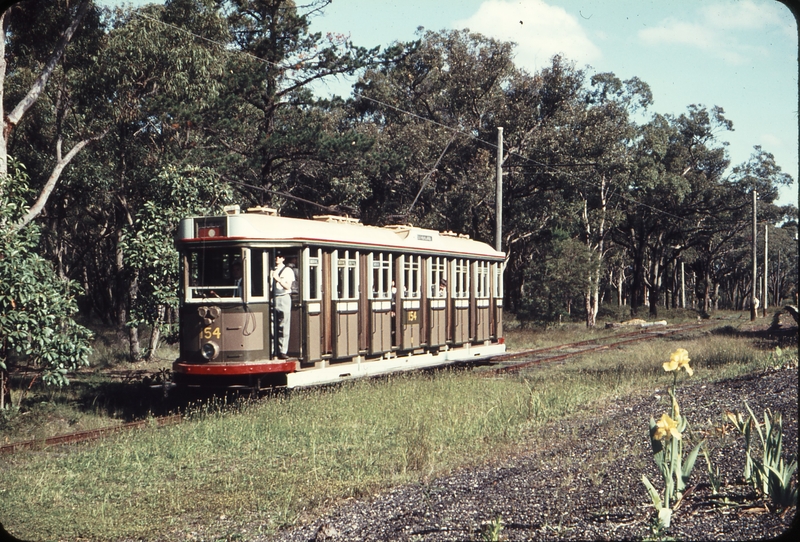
{"x": 498, "y": 232}
{"x": 754, "y": 297}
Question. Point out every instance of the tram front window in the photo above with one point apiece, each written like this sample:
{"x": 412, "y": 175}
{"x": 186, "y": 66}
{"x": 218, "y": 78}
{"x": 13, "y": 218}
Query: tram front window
{"x": 214, "y": 273}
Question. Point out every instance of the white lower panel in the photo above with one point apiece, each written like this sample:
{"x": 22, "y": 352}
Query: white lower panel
{"x": 358, "y": 369}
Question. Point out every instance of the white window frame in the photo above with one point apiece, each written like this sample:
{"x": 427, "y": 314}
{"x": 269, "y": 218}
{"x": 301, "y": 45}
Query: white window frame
{"x": 312, "y": 266}
{"x": 460, "y": 278}
{"x": 497, "y": 286}
{"x": 345, "y": 259}
{"x": 481, "y": 279}
{"x": 382, "y": 263}
{"x": 436, "y": 272}
{"x": 410, "y": 268}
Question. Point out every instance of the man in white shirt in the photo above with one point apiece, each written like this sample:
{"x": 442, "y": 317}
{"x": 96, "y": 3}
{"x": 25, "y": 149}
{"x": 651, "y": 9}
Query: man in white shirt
{"x": 282, "y": 279}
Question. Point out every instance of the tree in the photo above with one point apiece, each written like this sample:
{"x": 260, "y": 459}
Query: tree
{"x": 428, "y": 106}
{"x": 602, "y": 137}
{"x": 148, "y": 242}
{"x": 37, "y": 329}
{"x": 266, "y": 131}
{"x": 30, "y": 14}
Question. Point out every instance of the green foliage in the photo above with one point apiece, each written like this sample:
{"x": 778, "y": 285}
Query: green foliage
{"x": 174, "y": 194}
{"x": 36, "y": 306}
{"x": 493, "y": 531}
{"x": 768, "y": 474}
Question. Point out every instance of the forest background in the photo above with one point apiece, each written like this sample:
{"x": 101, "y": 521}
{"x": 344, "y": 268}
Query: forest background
{"x": 117, "y": 123}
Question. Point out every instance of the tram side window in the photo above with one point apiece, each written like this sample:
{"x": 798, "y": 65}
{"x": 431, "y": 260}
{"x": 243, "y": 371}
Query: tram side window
{"x": 411, "y": 276}
{"x": 213, "y": 273}
{"x": 346, "y": 274}
{"x": 498, "y": 280}
{"x": 381, "y": 277}
{"x": 313, "y": 274}
{"x": 461, "y": 279}
{"x": 482, "y": 279}
{"x": 437, "y": 277}
{"x": 258, "y": 257}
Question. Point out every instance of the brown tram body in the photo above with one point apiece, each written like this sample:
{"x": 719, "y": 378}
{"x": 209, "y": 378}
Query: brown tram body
{"x": 368, "y": 300}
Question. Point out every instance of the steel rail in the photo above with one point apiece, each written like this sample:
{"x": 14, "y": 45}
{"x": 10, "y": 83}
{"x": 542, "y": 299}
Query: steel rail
{"x": 626, "y": 338}
{"x": 90, "y": 434}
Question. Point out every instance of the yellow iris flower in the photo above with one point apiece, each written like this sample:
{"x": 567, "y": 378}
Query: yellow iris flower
{"x": 666, "y": 427}
{"x": 679, "y": 358}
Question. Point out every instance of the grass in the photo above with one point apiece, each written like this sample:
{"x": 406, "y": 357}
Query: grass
{"x": 236, "y": 468}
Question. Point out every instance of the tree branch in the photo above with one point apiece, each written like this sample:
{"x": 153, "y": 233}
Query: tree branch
{"x": 38, "y": 86}
{"x": 61, "y": 163}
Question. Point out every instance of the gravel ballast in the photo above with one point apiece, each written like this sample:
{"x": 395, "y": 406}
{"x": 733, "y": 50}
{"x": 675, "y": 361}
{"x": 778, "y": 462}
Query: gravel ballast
{"x": 581, "y": 479}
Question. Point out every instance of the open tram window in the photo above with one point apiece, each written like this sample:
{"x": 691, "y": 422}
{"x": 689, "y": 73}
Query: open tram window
{"x": 460, "y": 286}
{"x": 214, "y": 273}
{"x": 482, "y": 280}
{"x": 256, "y": 278}
{"x": 497, "y": 284}
{"x": 437, "y": 277}
{"x": 312, "y": 287}
{"x": 410, "y": 278}
{"x": 380, "y": 286}
{"x": 346, "y": 277}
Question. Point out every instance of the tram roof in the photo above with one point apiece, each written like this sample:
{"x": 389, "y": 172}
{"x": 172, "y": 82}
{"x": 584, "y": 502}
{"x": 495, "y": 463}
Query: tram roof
{"x": 329, "y": 231}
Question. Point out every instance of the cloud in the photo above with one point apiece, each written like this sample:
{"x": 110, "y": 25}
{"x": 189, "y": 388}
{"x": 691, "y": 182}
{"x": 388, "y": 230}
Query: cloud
{"x": 539, "y": 30}
{"x": 720, "y": 29}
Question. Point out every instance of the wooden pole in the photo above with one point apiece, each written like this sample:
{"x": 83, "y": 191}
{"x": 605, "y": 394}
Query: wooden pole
{"x": 498, "y": 232}
{"x": 754, "y": 297}
{"x": 765, "y": 296}
{"x": 683, "y": 285}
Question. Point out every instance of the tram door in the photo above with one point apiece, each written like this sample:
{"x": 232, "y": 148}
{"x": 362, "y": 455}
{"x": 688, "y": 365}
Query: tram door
{"x": 437, "y": 300}
{"x": 344, "y": 290}
{"x": 482, "y": 302}
{"x": 312, "y": 304}
{"x": 459, "y": 283}
{"x": 409, "y": 291}
{"x": 381, "y": 304}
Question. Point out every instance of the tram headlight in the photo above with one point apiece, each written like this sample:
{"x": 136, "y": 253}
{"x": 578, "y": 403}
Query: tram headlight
{"x": 209, "y": 350}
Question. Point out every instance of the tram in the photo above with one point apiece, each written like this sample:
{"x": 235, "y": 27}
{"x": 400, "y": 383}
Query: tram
{"x": 367, "y": 300}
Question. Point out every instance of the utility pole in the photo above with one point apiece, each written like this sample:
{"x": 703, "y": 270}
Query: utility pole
{"x": 754, "y": 297}
{"x": 765, "y": 297}
{"x": 498, "y": 232}
{"x": 683, "y": 286}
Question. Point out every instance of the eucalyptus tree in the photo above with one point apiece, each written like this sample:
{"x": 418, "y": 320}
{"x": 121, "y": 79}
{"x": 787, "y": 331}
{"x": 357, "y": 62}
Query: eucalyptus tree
{"x": 36, "y": 73}
{"x": 431, "y": 111}
{"x": 37, "y": 305}
{"x": 267, "y": 132}
{"x": 601, "y": 134}
{"x": 174, "y": 193}
{"x": 677, "y": 188}
{"x": 138, "y": 85}
{"x": 726, "y": 243}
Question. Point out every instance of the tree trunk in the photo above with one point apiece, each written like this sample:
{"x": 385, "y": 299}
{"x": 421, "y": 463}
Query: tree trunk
{"x": 133, "y": 330}
{"x": 155, "y": 334}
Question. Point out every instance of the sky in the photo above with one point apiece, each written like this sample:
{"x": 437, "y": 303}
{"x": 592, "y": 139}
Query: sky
{"x": 741, "y": 55}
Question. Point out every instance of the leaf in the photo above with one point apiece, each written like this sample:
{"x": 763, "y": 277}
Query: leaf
{"x": 654, "y": 496}
{"x": 688, "y": 465}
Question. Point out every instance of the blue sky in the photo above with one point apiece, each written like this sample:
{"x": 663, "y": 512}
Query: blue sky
{"x": 741, "y": 55}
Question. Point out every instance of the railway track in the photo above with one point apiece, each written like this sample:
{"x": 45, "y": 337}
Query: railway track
{"x": 92, "y": 434}
{"x": 506, "y": 363}
{"x": 515, "y": 361}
